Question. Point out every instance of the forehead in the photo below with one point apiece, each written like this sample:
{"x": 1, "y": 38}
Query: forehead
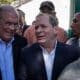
{"x": 77, "y": 16}
{"x": 10, "y": 16}
{"x": 42, "y": 19}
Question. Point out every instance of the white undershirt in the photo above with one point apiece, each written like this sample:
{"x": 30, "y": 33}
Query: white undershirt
{"x": 49, "y": 61}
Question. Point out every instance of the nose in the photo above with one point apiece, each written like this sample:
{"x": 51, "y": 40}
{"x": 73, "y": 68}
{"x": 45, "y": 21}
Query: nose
{"x": 73, "y": 25}
{"x": 12, "y": 27}
{"x": 39, "y": 29}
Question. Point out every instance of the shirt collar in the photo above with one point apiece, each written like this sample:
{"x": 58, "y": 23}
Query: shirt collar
{"x": 53, "y": 51}
{"x": 1, "y": 41}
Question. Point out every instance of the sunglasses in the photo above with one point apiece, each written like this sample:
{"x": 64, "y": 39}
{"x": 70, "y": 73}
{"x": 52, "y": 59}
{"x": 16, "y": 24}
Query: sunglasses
{"x": 75, "y": 20}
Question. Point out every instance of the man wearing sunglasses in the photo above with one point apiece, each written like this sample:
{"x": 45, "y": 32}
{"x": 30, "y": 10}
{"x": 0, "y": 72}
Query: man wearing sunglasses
{"x": 72, "y": 71}
{"x": 75, "y": 26}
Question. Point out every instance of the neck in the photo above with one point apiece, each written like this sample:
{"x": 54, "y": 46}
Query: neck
{"x": 49, "y": 47}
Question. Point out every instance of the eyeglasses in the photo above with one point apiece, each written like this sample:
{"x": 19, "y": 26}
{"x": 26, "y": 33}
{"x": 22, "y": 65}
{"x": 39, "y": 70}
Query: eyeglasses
{"x": 10, "y": 24}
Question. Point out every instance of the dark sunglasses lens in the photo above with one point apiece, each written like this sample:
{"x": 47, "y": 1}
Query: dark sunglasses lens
{"x": 75, "y": 20}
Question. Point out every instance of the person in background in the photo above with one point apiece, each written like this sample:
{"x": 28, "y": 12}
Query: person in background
{"x": 10, "y": 44}
{"x": 62, "y": 35}
{"x": 75, "y": 26}
{"x": 22, "y": 23}
{"x": 46, "y": 59}
{"x": 29, "y": 34}
{"x": 47, "y": 7}
{"x": 72, "y": 71}
{"x": 24, "y": 29}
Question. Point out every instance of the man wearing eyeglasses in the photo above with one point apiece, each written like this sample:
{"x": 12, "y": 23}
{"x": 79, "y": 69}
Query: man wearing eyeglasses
{"x": 10, "y": 44}
{"x": 75, "y": 26}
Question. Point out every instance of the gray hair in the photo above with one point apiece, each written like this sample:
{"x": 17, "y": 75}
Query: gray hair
{"x": 6, "y": 8}
{"x": 53, "y": 20}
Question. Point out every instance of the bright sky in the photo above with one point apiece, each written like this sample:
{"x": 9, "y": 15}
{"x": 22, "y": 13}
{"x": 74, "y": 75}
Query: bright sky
{"x": 62, "y": 7}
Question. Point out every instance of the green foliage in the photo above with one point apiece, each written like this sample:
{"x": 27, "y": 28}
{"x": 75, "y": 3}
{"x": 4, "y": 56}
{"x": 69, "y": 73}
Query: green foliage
{"x": 6, "y": 1}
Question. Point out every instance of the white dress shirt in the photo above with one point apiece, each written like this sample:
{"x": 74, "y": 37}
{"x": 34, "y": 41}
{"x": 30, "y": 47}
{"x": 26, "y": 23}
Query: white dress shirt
{"x": 49, "y": 61}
